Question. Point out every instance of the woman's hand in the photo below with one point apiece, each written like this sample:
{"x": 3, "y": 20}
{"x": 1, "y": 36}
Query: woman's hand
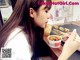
{"x": 66, "y": 36}
{"x": 70, "y": 46}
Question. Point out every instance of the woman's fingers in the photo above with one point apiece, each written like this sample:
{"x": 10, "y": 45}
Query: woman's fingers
{"x": 66, "y": 36}
{"x": 77, "y": 38}
{"x": 72, "y": 36}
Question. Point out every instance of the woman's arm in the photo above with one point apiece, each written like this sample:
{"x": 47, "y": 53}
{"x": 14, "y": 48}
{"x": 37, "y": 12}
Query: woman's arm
{"x": 70, "y": 46}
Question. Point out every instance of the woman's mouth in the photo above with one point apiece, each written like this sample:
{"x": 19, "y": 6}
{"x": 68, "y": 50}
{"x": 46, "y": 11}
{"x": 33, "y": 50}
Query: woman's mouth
{"x": 46, "y": 24}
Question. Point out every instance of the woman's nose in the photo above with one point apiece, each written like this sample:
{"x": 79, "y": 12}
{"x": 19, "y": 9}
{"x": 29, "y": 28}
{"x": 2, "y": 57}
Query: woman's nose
{"x": 48, "y": 15}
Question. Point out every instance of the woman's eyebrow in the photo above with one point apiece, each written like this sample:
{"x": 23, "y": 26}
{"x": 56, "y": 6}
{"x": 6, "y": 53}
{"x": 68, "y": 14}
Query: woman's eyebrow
{"x": 45, "y": 7}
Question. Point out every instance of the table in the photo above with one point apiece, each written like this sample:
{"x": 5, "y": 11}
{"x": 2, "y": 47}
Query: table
{"x": 57, "y": 51}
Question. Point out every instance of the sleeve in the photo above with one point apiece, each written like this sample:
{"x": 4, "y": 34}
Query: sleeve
{"x": 21, "y": 50}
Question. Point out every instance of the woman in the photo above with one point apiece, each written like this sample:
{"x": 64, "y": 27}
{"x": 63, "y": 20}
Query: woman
{"x": 23, "y": 28}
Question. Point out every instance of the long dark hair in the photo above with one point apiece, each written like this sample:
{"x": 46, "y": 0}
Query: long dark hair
{"x": 21, "y": 17}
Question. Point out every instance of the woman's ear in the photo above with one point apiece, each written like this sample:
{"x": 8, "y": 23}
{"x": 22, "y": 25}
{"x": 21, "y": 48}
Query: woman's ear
{"x": 32, "y": 12}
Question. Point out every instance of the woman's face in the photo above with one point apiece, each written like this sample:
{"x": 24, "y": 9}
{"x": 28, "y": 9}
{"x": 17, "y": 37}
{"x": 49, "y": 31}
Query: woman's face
{"x": 41, "y": 16}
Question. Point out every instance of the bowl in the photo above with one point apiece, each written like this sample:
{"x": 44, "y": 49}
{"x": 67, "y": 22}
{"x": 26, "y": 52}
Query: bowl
{"x": 54, "y": 41}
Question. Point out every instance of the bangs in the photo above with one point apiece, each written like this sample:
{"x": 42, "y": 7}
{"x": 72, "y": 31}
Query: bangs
{"x": 48, "y": 6}
{"x": 47, "y": 3}
{"x": 35, "y": 4}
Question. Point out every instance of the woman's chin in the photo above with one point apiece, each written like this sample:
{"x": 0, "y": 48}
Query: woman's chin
{"x": 43, "y": 26}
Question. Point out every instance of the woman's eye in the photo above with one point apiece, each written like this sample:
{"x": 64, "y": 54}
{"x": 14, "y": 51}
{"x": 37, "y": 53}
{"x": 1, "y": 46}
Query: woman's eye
{"x": 46, "y": 11}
